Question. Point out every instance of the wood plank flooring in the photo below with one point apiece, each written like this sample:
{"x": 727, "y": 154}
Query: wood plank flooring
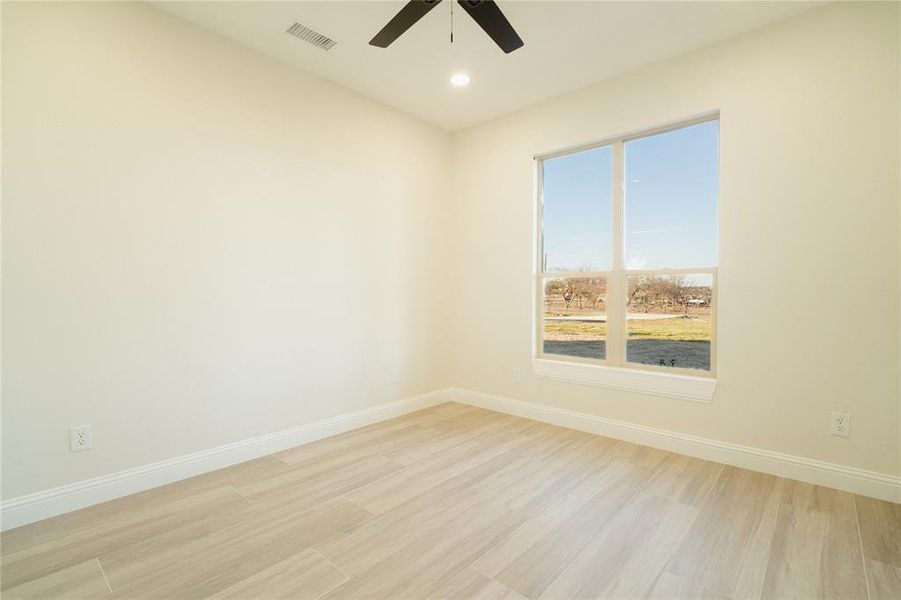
{"x": 460, "y": 502}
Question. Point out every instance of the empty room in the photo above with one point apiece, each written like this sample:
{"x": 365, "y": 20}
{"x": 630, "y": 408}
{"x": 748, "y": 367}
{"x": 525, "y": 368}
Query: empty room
{"x": 450, "y": 299}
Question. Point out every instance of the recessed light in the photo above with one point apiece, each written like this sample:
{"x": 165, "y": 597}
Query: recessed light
{"x": 460, "y": 79}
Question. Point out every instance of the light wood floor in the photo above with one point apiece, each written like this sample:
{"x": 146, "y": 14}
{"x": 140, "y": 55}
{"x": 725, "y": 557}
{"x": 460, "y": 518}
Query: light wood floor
{"x": 459, "y": 502}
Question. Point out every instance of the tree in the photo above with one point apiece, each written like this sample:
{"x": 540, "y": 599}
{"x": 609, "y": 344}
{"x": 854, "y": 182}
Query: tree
{"x": 584, "y": 292}
{"x": 679, "y": 290}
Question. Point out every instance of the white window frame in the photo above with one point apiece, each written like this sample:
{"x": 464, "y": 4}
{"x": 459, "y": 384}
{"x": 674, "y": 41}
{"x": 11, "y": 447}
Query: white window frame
{"x": 614, "y": 371}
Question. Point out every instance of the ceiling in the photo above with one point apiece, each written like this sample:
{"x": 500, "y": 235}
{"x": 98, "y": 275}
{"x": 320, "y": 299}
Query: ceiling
{"x": 568, "y": 45}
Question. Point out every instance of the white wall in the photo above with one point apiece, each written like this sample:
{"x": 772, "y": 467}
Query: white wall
{"x": 898, "y": 441}
{"x": 199, "y": 243}
{"x": 809, "y": 233}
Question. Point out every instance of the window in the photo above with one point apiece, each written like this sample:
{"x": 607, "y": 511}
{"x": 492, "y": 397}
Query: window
{"x": 627, "y": 246}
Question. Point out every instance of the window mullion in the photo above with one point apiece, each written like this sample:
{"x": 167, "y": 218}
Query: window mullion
{"x": 616, "y": 310}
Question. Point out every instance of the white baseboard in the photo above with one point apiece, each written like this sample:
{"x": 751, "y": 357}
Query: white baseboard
{"x": 41, "y": 505}
{"x": 858, "y": 481}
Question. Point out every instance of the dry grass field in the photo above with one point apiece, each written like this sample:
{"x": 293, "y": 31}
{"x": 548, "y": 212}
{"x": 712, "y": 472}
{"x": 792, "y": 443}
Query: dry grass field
{"x": 691, "y": 328}
{"x": 675, "y": 340}
{"x": 669, "y": 321}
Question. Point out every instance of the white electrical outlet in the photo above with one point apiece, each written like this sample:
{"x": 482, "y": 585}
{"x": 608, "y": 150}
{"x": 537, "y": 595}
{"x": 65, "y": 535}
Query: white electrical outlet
{"x": 80, "y": 438}
{"x": 517, "y": 375}
{"x": 841, "y": 424}
{"x": 395, "y": 376}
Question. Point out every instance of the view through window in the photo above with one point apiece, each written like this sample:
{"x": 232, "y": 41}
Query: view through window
{"x": 628, "y": 251}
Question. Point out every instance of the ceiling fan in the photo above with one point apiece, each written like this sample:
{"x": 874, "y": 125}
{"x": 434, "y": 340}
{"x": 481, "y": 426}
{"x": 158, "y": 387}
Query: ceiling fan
{"x": 485, "y": 12}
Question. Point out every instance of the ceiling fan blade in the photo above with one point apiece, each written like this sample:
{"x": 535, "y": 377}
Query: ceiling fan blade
{"x": 490, "y": 18}
{"x": 402, "y": 21}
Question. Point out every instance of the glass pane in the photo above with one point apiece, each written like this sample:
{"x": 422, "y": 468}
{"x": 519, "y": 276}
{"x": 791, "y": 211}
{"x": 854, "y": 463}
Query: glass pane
{"x": 668, "y": 320}
{"x": 575, "y": 317}
{"x": 670, "y": 199}
{"x": 577, "y": 211}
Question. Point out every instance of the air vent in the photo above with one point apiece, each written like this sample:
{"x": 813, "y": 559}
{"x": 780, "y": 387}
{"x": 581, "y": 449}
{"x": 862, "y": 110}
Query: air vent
{"x": 313, "y": 37}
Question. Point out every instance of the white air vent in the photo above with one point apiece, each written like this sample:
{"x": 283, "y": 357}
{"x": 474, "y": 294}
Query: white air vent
{"x": 313, "y": 37}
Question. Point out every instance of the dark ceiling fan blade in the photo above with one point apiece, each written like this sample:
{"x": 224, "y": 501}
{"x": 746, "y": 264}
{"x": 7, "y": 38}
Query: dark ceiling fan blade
{"x": 490, "y": 18}
{"x": 402, "y": 21}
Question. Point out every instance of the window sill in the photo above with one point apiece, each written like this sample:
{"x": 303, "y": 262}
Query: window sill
{"x": 683, "y": 387}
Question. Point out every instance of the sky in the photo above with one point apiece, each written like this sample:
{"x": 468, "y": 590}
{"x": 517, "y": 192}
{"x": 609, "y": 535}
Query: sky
{"x": 670, "y": 203}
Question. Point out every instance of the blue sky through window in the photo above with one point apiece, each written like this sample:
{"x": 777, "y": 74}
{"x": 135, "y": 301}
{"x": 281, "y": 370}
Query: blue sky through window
{"x": 670, "y": 203}
{"x": 577, "y": 211}
{"x": 670, "y": 199}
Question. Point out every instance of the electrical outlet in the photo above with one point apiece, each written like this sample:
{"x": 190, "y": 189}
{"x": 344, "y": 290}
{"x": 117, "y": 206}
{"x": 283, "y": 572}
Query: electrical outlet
{"x": 841, "y": 424}
{"x": 80, "y": 438}
{"x": 395, "y": 376}
{"x": 517, "y": 375}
